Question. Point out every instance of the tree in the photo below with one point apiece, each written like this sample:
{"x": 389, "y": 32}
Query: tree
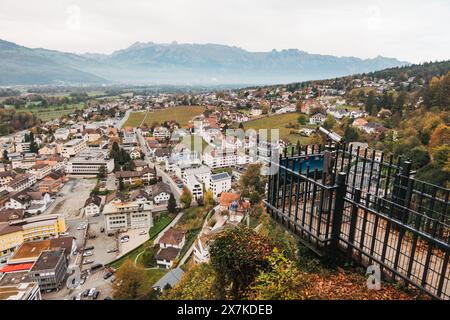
{"x": 5, "y": 156}
{"x": 282, "y": 280}
{"x": 149, "y": 256}
{"x": 371, "y": 102}
{"x": 172, "y": 204}
{"x": 102, "y": 172}
{"x": 252, "y": 181}
{"x": 186, "y": 198}
{"x": 351, "y": 134}
{"x": 121, "y": 184}
{"x": 209, "y": 199}
{"x": 302, "y": 119}
{"x": 237, "y": 257}
{"x": 131, "y": 279}
{"x": 329, "y": 122}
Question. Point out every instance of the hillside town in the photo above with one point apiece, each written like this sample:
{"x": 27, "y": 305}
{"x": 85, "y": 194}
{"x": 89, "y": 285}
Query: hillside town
{"x": 115, "y": 181}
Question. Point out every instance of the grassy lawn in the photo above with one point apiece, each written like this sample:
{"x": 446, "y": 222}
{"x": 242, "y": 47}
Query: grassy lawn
{"x": 153, "y": 275}
{"x": 182, "y": 115}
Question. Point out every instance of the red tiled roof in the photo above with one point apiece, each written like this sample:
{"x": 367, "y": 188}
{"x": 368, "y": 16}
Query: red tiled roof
{"x": 16, "y": 267}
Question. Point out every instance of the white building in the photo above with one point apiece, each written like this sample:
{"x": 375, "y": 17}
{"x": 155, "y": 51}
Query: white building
{"x": 219, "y": 183}
{"x": 317, "y": 119}
{"x": 161, "y": 133}
{"x": 92, "y": 206}
{"x": 127, "y": 215}
{"x": 73, "y": 148}
{"x": 194, "y": 186}
{"x": 61, "y": 134}
{"x": 89, "y": 163}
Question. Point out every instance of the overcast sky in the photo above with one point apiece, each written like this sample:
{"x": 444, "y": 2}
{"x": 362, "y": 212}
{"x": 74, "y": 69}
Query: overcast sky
{"x": 410, "y": 30}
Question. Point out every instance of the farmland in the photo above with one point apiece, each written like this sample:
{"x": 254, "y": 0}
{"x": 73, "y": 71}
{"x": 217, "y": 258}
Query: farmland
{"x": 277, "y": 122}
{"x": 50, "y": 112}
{"x": 182, "y": 115}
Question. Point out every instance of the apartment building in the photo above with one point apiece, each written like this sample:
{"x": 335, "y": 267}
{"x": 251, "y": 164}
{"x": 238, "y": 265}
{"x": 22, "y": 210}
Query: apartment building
{"x": 218, "y": 183}
{"x": 73, "y": 147}
{"x": 21, "y": 182}
{"x": 40, "y": 170}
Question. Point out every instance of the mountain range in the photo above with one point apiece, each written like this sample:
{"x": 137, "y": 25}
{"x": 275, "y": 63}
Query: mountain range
{"x": 181, "y": 64}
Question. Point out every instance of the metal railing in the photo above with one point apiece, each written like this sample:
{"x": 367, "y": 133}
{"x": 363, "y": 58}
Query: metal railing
{"x": 370, "y": 209}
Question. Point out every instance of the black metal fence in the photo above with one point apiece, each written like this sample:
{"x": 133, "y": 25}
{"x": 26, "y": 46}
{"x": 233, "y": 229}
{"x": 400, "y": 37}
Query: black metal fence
{"x": 368, "y": 207}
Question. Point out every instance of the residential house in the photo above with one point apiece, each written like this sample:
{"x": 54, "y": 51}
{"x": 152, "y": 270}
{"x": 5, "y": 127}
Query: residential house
{"x": 93, "y": 206}
{"x": 161, "y": 193}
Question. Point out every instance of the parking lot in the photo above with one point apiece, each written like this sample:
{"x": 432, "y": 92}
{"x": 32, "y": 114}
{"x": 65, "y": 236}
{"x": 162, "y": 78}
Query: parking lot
{"x": 101, "y": 243}
{"x": 136, "y": 238}
{"x": 93, "y": 280}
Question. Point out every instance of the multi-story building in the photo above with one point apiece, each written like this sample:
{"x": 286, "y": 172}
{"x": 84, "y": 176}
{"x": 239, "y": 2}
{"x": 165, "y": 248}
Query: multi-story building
{"x": 73, "y": 147}
{"x": 123, "y": 215}
{"x": 21, "y": 182}
{"x": 89, "y": 163}
{"x": 131, "y": 177}
{"x": 161, "y": 193}
{"x": 194, "y": 186}
{"x": 218, "y": 183}
{"x": 50, "y": 269}
{"x": 15, "y": 229}
{"x": 40, "y": 170}
{"x": 222, "y": 158}
{"x": 18, "y": 286}
{"x": 161, "y": 133}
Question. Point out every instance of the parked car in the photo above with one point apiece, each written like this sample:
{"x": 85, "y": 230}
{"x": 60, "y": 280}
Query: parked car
{"x": 102, "y": 229}
{"x": 111, "y": 250}
{"x": 64, "y": 234}
{"x": 124, "y": 240}
{"x": 85, "y": 293}
{"x": 143, "y": 233}
{"x": 95, "y": 295}
{"x": 87, "y": 254}
{"x": 91, "y": 292}
{"x": 96, "y": 266}
{"x": 88, "y": 261}
{"x": 107, "y": 275}
{"x": 89, "y": 248}
{"x": 107, "y": 298}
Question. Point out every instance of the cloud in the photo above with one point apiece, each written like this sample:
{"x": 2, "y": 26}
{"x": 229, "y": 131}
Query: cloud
{"x": 411, "y": 30}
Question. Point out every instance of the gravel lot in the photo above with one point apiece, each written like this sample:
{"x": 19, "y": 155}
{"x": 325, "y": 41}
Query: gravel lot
{"x": 72, "y": 197}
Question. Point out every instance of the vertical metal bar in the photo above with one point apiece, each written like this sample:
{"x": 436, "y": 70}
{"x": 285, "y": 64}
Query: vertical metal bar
{"x": 429, "y": 254}
{"x": 353, "y": 220}
{"x": 338, "y": 212}
{"x": 363, "y": 228}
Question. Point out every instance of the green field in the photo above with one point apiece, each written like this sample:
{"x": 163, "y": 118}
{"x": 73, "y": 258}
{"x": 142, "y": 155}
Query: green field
{"x": 51, "y": 112}
{"x": 182, "y": 115}
{"x": 278, "y": 122}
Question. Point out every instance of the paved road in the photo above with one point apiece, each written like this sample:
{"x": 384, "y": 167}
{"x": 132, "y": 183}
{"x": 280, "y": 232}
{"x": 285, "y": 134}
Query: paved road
{"x": 122, "y": 121}
{"x": 170, "y": 225}
{"x": 159, "y": 171}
